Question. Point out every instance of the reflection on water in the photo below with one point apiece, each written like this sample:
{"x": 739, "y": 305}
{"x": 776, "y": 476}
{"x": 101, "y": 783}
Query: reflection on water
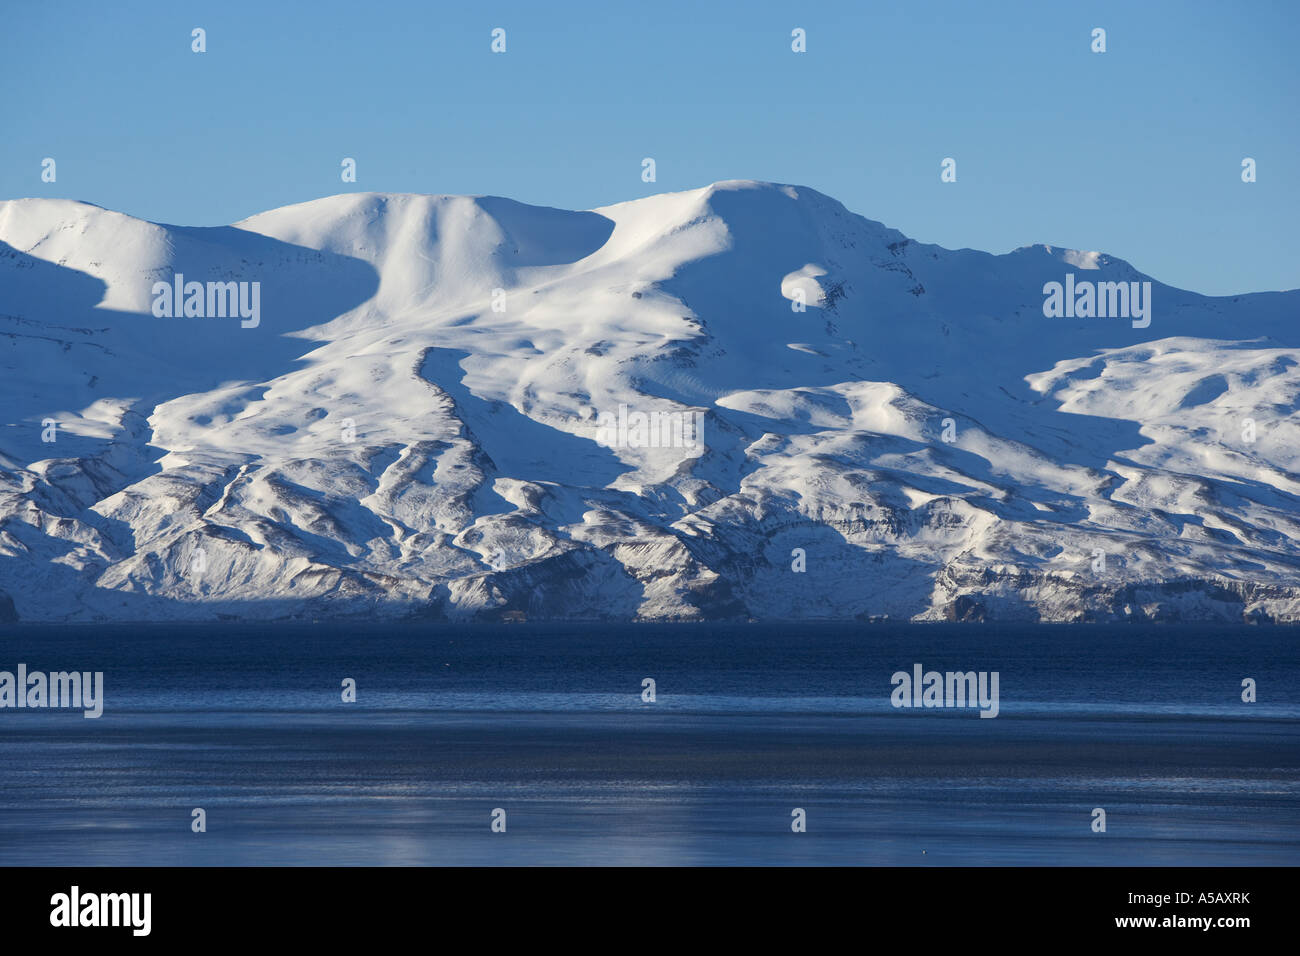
{"x": 749, "y": 723}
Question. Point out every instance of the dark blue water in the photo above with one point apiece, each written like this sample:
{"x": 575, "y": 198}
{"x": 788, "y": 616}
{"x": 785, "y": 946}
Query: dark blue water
{"x": 750, "y": 722}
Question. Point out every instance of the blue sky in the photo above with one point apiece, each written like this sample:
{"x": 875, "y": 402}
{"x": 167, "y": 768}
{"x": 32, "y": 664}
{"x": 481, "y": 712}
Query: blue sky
{"x": 1135, "y": 152}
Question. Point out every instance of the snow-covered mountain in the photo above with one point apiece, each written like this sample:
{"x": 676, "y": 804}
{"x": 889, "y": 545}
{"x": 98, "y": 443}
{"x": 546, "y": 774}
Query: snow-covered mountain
{"x": 422, "y": 417}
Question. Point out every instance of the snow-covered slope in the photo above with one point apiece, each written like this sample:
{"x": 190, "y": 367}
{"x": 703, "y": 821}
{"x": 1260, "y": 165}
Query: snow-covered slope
{"x": 419, "y": 422}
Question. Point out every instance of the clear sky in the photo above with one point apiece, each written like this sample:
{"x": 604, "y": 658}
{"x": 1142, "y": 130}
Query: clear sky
{"x": 1135, "y": 152}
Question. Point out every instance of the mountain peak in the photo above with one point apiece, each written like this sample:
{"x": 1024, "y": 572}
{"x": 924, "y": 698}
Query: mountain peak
{"x": 467, "y": 405}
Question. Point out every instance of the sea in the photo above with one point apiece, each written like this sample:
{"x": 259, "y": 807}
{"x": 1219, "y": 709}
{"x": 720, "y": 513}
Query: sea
{"x": 435, "y": 743}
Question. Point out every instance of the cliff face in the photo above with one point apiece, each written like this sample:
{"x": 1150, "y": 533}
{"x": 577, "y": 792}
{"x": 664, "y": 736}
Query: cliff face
{"x": 741, "y": 401}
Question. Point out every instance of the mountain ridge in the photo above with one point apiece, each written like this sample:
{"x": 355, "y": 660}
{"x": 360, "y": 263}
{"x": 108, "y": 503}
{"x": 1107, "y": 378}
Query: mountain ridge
{"x": 413, "y": 426}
